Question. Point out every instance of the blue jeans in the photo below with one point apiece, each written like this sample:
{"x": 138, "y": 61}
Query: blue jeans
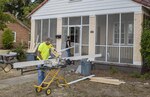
{"x": 41, "y": 75}
{"x": 68, "y": 53}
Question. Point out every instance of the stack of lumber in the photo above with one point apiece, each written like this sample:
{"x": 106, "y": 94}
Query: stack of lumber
{"x": 106, "y": 80}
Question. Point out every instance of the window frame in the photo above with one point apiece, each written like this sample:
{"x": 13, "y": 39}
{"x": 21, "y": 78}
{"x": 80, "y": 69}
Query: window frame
{"x": 129, "y": 33}
{"x": 14, "y": 35}
{"x": 118, "y": 32}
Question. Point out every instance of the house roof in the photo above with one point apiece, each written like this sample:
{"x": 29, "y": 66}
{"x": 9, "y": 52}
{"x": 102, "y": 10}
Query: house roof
{"x": 19, "y": 22}
{"x": 39, "y": 6}
{"x": 143, "y": 2}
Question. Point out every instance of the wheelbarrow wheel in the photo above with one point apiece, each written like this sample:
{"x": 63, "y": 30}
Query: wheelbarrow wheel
{"x": 38, "y": 89}
{"x": 48, "y": 91}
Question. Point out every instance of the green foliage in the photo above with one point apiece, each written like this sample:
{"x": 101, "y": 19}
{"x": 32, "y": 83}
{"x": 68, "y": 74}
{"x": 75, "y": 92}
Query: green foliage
{"x": 145, "y": 76}
{"x": 145, "y": 43}
{"x": 21, "y": 8}
{"x": 4, "y": 17}
{"x": 136, "y": 75}
{"x": 7, "y": 39}
{"x": 21, "y": 54}
{"x": 113, "y": 70}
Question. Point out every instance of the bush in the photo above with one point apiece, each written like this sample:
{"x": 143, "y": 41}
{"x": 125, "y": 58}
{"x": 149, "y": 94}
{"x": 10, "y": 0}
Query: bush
{"x": 113, "y": 70}
{"x": 21, "y": 54}
{"x": 7, "y": 39}
{"x": 145, "y": 46}
{"x": 145, "y": 76}
{"x": 135, "y": 75}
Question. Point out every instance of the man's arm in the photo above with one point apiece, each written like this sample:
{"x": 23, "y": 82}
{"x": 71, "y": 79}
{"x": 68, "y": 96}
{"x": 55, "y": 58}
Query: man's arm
{"x": 39, "y": 55}
{"x": 68, "y": 43}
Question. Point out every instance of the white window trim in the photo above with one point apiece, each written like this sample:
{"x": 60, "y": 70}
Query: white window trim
{"x": 128, "y": 33}
{"x": 118, "y": 32}
{"x": 14, "y": 36}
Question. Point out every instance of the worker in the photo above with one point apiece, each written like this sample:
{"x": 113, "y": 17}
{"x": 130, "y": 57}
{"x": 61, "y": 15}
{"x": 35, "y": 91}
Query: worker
{"x": 68, "y": 44}
{"x": 43, "y": 53}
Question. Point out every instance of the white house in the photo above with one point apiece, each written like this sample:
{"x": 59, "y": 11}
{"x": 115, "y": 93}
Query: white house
{"x": 109, "y": 27}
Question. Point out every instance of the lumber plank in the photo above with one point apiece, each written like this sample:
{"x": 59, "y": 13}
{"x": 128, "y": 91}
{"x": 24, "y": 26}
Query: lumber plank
{"x": 106, "y": 80}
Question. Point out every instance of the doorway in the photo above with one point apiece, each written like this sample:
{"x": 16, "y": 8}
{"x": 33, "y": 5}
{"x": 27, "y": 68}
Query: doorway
{"x": 75, "y": 34}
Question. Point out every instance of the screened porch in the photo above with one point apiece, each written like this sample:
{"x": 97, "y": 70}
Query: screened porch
{"x": 114, "y": 37}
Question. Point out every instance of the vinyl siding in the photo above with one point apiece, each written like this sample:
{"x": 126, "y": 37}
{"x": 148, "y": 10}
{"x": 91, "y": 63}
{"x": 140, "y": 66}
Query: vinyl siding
{"x": 64, "y": 8}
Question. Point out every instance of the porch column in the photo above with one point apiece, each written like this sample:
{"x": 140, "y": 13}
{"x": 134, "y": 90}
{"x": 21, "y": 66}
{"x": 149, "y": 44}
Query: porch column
{"x": 138, "y": 20}
{"x": 32, "y": 44}
{"x": 59, "y": 32}
{"x": 92, "y": 27}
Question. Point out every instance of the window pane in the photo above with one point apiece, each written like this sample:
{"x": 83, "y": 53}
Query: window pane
{"x": 53, "y": 29}
{"x": 113, "y": 28}
{"x": 113, "y": 37}
{"x": 37, "y": 30}
{"x": 101, "y": 30}
{"x": 130, "y": 33}
{"x": 65, "y": 21}
{"x": 85, "y": 35}
{"x": 127, "y": 19}
{"x": 75, "y": 21}
{"x": 64, "y": 36}
{"x": 45, "y": 29}
{"x": 85, "y": 20}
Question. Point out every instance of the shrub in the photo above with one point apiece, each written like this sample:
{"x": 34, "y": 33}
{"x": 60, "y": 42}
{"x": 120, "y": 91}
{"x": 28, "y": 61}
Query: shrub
{"x": 145, "y": 43}
{"x": 7, "y": 39}
{"x": 21, "y": 54}
{"x": 145, "y": 76}
{"x": 135, "y": 75}
{"x": 113, "y": 70}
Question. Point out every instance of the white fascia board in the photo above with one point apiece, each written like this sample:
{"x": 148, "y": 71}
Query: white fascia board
{"x": 137, "y": 9}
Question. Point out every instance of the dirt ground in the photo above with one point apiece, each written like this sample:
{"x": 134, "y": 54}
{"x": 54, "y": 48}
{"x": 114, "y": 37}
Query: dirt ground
{"x": 134, "y": 87}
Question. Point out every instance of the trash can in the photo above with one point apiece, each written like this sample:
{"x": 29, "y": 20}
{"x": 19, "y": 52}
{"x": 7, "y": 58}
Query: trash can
{"x": 85, "y": 67}
{"x": 30, "y": 56}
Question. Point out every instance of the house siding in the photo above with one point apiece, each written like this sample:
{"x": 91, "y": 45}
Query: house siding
{"x": 84, "y": 7}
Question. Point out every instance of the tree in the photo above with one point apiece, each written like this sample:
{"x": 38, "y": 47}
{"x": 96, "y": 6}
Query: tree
{"x": 7, "y": 39}
{"x": 39, "y": 1}
{"x": 15, "y": 7}
{"x": 4, "y": 17}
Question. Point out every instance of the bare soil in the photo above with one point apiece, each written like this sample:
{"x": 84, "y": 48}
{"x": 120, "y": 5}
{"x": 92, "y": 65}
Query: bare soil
{"x": 134, "y": 87}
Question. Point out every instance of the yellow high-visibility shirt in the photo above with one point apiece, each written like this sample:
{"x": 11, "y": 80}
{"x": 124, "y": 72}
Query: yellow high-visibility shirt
{"x": 45, "y": 50}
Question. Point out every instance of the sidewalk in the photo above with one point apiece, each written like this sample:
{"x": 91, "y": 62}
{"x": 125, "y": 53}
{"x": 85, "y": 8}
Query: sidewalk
{"x": 17, "y": 80}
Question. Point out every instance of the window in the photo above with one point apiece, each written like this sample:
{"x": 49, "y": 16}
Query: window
{"x": 130, "y": 33}
{"x": 116, "y": 33}
{"x": 14, "y": 35}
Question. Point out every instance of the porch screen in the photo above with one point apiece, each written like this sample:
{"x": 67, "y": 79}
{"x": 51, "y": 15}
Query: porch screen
{"x": 37, "y": 31}
{"x": 45, "y": 25}
{"x": 101, "y": 37}
{"x": 53, "y": 30}
{"x": 114, "y": 37}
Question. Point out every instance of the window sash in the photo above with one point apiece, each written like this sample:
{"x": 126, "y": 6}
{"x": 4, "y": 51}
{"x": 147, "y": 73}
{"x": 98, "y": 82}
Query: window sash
{"x": 130, "y": 33}
{"x": 116, "y": 33}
